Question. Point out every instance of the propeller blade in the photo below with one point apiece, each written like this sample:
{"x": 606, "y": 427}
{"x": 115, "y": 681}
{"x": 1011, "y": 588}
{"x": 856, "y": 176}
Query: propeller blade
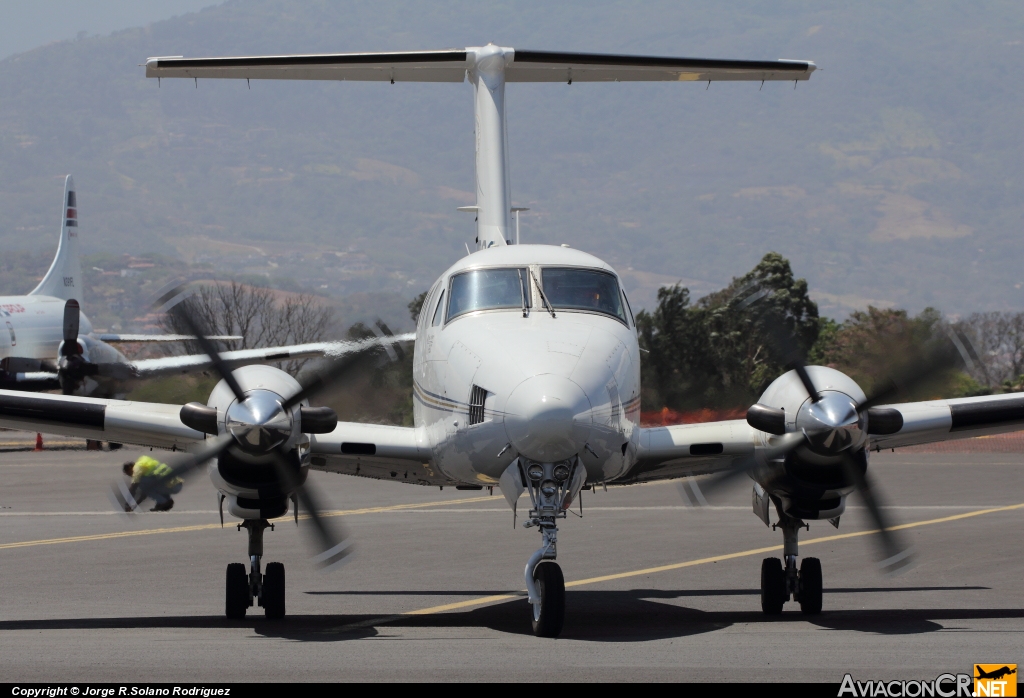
{"x": 72, "y": 317}
{"x": 332, "y": 541}
{"x": 743, "y": 466}
{"x": 210, "y": 350}
{"x": 122, "y": 497}
{"x": 894, "y": 554}
{"x": 320, "y": 380}
{"x": 792, "y": 355}
{"x": 801, "y": 370}
{"x": 907, "y": 379}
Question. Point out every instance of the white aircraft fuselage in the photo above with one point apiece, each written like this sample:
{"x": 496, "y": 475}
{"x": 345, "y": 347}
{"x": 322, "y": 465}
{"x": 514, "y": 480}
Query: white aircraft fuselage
{"x": 33, "y": 326}
{"x": 492, "y": 383}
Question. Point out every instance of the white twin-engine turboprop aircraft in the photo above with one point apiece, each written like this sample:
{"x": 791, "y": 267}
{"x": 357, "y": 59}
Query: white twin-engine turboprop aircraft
{"x": 47, "y": 343}
{"x": 527, "y": 374}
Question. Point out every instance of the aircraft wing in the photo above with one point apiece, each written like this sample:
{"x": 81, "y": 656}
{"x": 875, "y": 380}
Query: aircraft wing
{"x": 698, "y": 449}
{"x": 960, "y": 418}
{"x": 671, "y": 452}
{"x": 367, "y": 450}
{"x": 121, "y": 421}
{"x": 450, "y": 65}
{"x": 111, "y": 338}
{"x": 169, "y": 365}
{"x": 376, "y": 451}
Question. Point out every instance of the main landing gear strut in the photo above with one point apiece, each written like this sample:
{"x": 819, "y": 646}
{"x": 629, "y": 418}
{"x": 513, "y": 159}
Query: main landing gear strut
{"x": 779, "y": 584}
{"x": 266, "y": 590}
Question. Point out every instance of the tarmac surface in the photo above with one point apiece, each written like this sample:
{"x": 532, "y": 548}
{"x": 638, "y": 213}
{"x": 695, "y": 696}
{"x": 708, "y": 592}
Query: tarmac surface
{"x": 657, "y": 590}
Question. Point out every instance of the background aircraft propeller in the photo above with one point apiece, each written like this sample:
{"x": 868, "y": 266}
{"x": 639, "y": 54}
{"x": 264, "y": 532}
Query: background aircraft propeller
{"x": 72, "y": 367}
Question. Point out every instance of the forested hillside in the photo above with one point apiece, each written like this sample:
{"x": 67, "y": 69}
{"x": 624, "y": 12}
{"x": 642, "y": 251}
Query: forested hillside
{"x": 893, "y": 177}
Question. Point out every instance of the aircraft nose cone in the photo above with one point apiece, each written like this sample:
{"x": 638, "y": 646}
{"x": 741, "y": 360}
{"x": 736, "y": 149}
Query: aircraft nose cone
{"x": 547, "y": 418}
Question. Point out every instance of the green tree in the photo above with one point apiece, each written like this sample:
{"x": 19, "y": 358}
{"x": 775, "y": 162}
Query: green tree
{"x": 415, "y": 305}
{"x": 876, "y": 345}
{"x": 725, "y": 349}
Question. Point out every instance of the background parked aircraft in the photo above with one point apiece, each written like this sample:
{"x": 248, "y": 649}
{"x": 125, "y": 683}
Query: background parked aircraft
{"x": 47, "y": 343}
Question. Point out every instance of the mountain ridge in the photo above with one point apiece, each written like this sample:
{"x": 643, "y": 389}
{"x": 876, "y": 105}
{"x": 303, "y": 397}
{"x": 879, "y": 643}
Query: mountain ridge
{"x": 892, "y": 177}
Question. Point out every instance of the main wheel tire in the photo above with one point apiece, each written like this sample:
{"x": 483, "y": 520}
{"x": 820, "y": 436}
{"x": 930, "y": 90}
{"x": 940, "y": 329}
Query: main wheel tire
{"x": 810, "y": 585}
{"x": 273, "y": 591}
{"x": 236, "y": 598}
{"x": 549, "y": 616}
{"x": 773, "y": 586}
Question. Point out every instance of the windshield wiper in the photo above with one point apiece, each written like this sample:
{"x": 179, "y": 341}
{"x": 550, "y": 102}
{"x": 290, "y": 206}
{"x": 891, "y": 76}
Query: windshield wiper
{"x": 522, "y": 290}
{"x": 544, "y": 298}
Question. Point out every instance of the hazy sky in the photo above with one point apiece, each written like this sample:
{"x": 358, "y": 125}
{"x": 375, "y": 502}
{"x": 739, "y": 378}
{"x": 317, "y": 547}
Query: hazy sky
{"x": 26, "y": 24}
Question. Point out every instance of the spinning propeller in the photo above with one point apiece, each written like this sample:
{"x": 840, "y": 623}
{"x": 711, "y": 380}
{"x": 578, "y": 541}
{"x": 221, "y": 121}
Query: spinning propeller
{"x": 260, "y": 424}
{"x": 72, "y": 365}
{"x": 834, "y": 427}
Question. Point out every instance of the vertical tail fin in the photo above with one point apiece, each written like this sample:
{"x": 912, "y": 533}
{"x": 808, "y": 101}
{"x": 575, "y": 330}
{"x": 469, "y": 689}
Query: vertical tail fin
{"x": 64, "y": 279}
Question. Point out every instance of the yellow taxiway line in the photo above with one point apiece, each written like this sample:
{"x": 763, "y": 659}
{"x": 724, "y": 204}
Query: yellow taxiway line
{"x": 706, "y": 560}
{"x": 205, "y": 527}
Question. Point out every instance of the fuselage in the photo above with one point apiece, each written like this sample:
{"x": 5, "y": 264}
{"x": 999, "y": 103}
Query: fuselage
{"x": 33, "y": 327}
{"x": 527, "y": 351}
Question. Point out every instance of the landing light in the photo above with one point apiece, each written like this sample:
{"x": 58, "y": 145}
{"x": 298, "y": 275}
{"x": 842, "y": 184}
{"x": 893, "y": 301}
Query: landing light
{"x": 535, "y": 471}
{"x": 548, "y": 488}
{"x": 561, "y": 472}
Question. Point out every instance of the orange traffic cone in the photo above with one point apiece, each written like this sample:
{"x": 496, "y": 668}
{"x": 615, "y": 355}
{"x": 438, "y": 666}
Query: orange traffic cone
{"x": 39, "y": 442}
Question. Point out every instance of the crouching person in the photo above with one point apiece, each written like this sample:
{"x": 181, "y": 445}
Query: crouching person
{"x": 147, "y": 476}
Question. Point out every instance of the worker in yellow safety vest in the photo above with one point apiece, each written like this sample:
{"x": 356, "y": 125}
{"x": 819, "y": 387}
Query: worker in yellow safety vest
{"x": 150, "y": 470}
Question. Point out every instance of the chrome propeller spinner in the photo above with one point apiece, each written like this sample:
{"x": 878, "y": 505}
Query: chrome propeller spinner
{"x": 832, "y": 423}
{"x": 260, "y": 422}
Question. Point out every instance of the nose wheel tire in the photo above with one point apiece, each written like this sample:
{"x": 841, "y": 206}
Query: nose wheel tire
{"x": 549, "y": 614}
{"x": 236, "y": 599}
{"x": 773, "y": 586}
{"x": 810, "y": 585}
{"x": 273, "y": 591}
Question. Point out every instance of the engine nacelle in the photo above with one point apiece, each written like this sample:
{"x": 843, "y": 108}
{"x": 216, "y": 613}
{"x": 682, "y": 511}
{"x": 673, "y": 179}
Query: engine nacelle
{"x": 787, "y": 392}
{"x": 812, "y": 481}
{"x": 246, "y": 473}
{"x": 265, "y": 388}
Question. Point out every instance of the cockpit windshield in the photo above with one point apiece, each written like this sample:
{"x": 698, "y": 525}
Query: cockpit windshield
{"x": 583, "y": 289}
{"x": 487, "y": 289}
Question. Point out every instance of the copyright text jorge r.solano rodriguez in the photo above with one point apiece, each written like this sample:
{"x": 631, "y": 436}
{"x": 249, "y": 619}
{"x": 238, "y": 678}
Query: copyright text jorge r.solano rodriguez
{"x": 117, "y": 691}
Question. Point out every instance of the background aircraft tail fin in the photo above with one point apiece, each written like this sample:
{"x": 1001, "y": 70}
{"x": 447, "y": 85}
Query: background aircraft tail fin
{"x": 64, "y": 278}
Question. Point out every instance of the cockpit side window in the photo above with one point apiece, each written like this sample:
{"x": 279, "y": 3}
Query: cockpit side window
{"x": 632, "y": 320}
{"x": 438, "y": 312}
{"x": 424, "y": 317}
{"x": 488, "y": 289}
{"x": 583, "y": 289}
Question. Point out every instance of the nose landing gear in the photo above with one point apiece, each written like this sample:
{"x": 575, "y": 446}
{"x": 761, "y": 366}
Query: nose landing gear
{"x": 779, "y": 585}
{"x": 552, "y": 487}
{"x": 266, "y": 590}
{"x": 545, "y": 582}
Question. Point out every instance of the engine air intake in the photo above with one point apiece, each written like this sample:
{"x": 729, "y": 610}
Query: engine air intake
{"x": 476, "y": 405}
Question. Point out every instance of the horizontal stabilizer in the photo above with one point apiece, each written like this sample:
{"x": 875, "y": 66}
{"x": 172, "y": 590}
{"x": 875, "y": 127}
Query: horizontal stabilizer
{"x": 451, "y": 66}
{"x": 405, "y": 66}
{"x": 557, "y": 66}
